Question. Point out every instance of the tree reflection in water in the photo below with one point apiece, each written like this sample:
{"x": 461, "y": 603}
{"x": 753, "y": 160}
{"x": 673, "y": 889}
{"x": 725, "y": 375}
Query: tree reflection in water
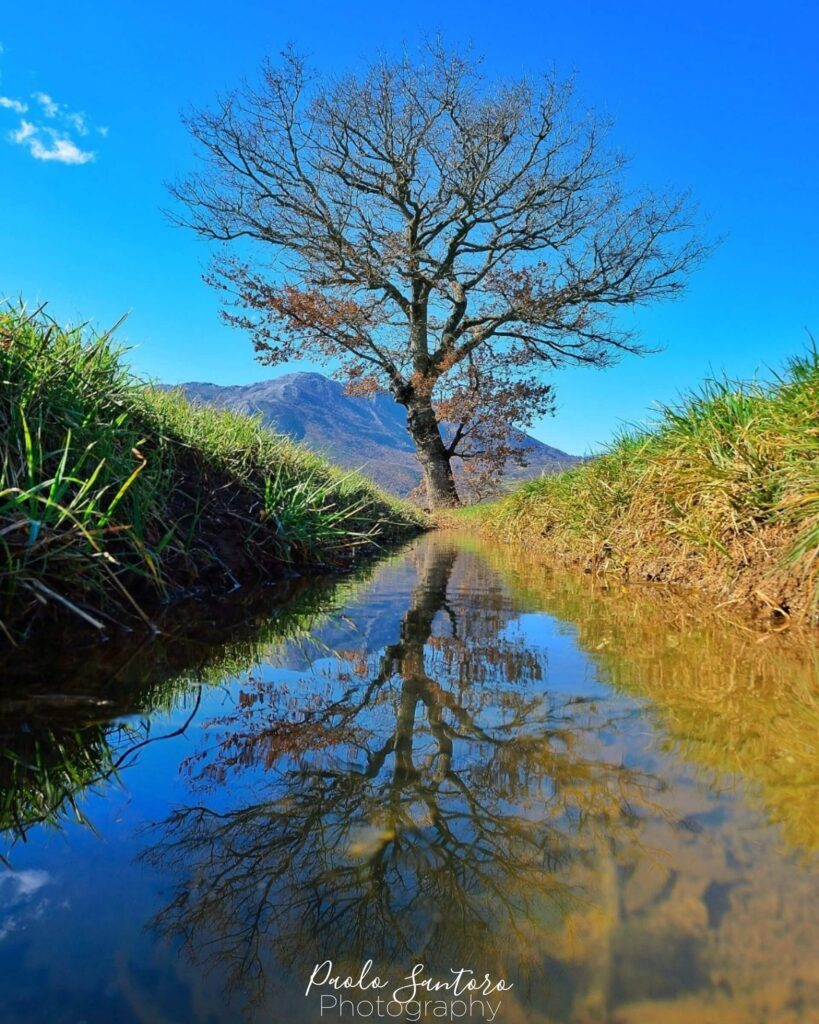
{"x": 436, "y": 802}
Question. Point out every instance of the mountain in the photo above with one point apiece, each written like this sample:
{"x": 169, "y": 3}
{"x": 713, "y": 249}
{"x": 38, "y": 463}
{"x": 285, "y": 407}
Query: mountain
{"x": 369, "y": 434}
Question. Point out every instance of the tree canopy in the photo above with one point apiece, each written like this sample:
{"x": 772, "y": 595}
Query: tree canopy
{"x": 431, "y": 233}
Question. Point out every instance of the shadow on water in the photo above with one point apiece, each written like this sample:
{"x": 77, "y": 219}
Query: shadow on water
{"x": 462, "y": 758}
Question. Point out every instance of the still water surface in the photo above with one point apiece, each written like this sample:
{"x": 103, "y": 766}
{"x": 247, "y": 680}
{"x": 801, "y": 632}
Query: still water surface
{"x": 461, "y": 758}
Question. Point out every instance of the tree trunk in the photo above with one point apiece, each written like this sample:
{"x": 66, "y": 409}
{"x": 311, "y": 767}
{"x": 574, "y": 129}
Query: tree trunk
{"x": 433, "y": 456}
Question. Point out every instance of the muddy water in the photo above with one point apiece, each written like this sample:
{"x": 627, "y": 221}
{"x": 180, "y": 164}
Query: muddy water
{"x": 462, "y": 759}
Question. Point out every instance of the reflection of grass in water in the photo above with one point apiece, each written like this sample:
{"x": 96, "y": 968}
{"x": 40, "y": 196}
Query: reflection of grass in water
{"x": 728, "y": 699}
{"x": 47, "y": 769}
{"x": 43, "y": 774}
{"x": 55, "y": 747}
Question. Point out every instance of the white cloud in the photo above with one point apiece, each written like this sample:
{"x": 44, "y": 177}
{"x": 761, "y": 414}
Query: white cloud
{"x": 25, "y": 131}
{"x": 75, "y": 119}
{"x": 47, "y": 144}
{"x": 22, "y": 884}
{"x": 7, "y": 103}
{"x": 78, "y": 121}
{"x": 62, "y": 151}
{"x": 16, "y": 903}
{"x": 50, "y": 108}
{"x": 50, "y": 131}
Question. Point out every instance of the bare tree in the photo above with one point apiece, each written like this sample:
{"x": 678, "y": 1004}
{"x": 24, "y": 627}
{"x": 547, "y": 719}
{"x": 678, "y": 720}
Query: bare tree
{"x": 431, "y": 234}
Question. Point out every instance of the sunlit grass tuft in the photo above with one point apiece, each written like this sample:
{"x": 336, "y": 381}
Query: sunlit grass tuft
{"x": 111, "y": 491}
{"x": 722, "y": 491}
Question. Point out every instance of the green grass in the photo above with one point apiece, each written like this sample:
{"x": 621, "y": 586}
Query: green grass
{"x": 114, "y": 494}
{"x": 722, "y": 491}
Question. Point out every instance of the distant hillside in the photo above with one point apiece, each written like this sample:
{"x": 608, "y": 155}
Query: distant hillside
{"x": 369, "y": 434}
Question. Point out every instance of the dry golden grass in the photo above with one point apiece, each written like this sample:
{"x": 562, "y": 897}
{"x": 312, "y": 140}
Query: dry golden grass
{"x": 723, "y": 493}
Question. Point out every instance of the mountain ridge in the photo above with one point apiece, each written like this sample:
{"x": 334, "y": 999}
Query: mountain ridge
{"x": 367, "y": 434}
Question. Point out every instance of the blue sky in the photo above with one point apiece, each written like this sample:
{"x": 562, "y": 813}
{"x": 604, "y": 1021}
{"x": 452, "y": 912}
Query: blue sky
{"x": 721, "y": 98}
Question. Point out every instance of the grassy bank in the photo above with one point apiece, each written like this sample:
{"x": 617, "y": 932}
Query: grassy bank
{"x": 114, "y": 495}
{"x": 722, "y": 493}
